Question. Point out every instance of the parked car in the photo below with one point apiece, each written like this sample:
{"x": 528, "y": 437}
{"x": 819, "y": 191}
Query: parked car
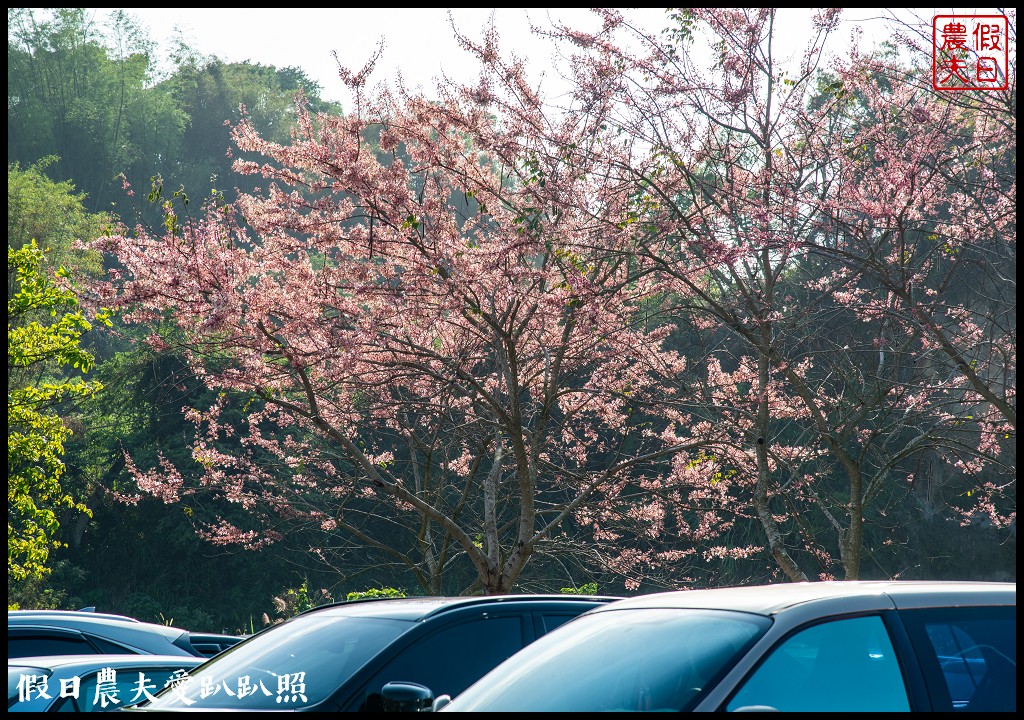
{"x": 76, "y": 632}
{"x": 338, "y": 657}
{"x": 819, "y": 647}
{"x": 104, "y": 682}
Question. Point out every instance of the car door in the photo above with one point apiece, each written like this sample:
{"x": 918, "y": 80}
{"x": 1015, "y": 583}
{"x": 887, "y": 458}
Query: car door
{"x": 846, "y": 664}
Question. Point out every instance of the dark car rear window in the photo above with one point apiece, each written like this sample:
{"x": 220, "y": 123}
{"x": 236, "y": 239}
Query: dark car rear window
{"x": 46, "y": 645}
{"x": 969, "y": 655}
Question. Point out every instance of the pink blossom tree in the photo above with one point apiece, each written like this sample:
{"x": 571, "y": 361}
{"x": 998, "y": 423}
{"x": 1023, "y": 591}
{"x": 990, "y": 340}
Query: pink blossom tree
{"x": 439, "y": 361}
{"x": 717, "y": 307}
{"x": 925, "y": 201}
{"x": 805, "y": 229}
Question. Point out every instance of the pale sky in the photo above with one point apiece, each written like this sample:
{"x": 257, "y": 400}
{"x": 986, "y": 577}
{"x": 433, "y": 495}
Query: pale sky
{"x": 420, "y": 41}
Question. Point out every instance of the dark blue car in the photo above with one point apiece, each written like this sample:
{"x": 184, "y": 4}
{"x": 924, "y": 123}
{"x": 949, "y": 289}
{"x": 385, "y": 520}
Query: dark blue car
{"x": 339, "y": 657}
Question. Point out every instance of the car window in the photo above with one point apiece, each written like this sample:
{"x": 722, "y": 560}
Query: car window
{"x": 107, "y": 647}
{"x": 451, "y": 659}
{"x": 551, "y": 621}
{"x": 842, "y": 665}
{"x": 43, "y": 645}
{"x": 207, "y": 649}
{"x": 969, "y": 656}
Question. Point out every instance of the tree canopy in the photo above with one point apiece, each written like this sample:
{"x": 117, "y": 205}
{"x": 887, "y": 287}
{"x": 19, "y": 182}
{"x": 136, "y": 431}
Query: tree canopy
{"x": 39, "y": 351}
{"x": 455, "y": 318}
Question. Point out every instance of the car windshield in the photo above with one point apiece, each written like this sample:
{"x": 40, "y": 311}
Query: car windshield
{"x": 293, "y": 665}
{"x": 619, "y": 660}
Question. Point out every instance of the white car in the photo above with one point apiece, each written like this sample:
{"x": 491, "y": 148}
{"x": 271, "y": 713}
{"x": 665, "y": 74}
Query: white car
{"x": 818, "y": 647}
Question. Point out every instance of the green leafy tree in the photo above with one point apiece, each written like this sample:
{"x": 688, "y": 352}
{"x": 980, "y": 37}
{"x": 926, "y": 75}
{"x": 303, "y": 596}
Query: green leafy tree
{"x": 211, "y": 93}
{"x": 84, "y": 91}
{"x": 53, "y": 214}
{"x": 38, "y": 354}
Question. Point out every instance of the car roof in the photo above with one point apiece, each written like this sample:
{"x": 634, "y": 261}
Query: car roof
{"x": 65, "y": 662}
{"x": 772, "y": 599}
{"x": 82, "y": 619}
{"x": 421, "y": 608}
{"x": 69, "y": 613}
{"x": 142, "y": 636}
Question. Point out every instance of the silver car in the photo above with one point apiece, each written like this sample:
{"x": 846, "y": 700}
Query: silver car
{"x": 77, "y": 632}
{"x": 819, "y": 647}
{"x": 89, "y": 683}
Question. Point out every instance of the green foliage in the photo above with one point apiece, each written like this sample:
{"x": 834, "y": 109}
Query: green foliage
{"x": 140, "y": 410}
{"x": 210, "y": 93}
{"x": 54, "y": 215}
{"x": 584, "y": 589}
{"x": 90, "y": 95}
{"x": 388, "y": 592}
{"x": 164, "y": 611}
{"x": 42, "y": 592}
{"x": 678, "y": 33}
{"x": 35, "y": 433}
{"x": 97, "y": 109}
{"x": 298, "y": 600}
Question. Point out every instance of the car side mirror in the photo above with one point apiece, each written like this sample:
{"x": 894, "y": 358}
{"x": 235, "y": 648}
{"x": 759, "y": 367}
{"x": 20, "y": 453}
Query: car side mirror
{"x": 400, "y": 696}
{"x": 440, "y": 701}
